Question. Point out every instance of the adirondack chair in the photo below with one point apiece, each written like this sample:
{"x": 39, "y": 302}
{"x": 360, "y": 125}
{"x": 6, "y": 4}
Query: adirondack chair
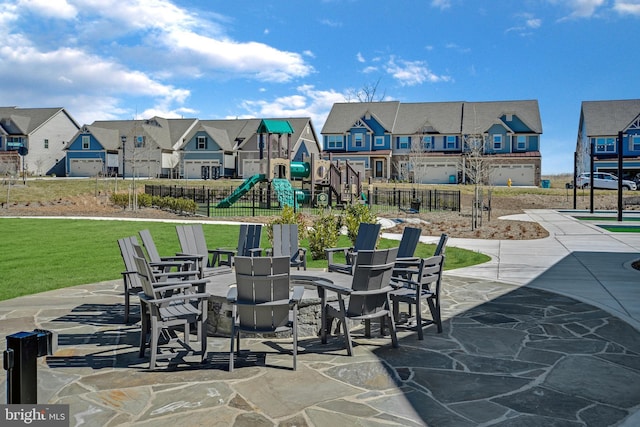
{"x": 262, "y": 302}
{"x": 193, "y": 242}
{"x": 367, "y": 299}
{"x": 366, "y": 239}
{"x": 248, "y": 245}
{"x": 174, "y": 304}
{"x": 129, "y": 249}
{"x": 285, "y": 243}
{"x": 414, "y": 287}
{"x": 182, "y": 262}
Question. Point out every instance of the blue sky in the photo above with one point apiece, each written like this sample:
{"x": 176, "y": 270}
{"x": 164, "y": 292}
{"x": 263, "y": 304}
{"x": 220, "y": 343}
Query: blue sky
{"x": 114, "y": 59}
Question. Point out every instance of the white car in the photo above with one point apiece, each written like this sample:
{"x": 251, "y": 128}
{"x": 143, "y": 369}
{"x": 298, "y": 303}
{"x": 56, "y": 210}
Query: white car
{"x": 603, "y": 180}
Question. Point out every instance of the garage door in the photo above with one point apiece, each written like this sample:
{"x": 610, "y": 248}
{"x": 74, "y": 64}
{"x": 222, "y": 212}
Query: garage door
{"x": 193, "y": 168}
{"x": 523, "y": 175}
{"x": 85, "y": 167}
{"x": 437, "y": 173}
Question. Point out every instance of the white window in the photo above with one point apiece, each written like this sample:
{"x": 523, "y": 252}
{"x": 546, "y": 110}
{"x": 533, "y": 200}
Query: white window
{"x": 635, "y": 142}
{"x": 379, "y": 141}
{"x": 201, "y": 142}
{"x": 46, "y": 144}
{"x": 497, "y": 142}
{"x": 521, "y": 142}
{"x": 605, "y": 145}
{"x": 403, "y": 142}
{"x": 334, "y": 142}
{"x": 452, "y": 142}
{"x": 427, "y": 143}
{"x": 86, "y": 142}
{"x": 358, "y": 140}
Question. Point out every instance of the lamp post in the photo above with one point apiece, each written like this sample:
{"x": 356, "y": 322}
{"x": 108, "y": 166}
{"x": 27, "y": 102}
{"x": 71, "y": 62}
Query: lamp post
{"x": 123, "y": 140}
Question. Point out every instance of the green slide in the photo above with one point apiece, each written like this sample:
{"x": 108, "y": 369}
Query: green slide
{"x": 240, "y": 191}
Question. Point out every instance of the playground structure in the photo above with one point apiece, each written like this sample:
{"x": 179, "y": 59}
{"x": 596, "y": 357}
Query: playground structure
{"x": 323, "y": 182}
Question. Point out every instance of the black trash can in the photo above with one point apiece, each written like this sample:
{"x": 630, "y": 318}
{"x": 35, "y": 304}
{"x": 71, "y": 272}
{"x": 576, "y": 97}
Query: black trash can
{"x": 415, "y": 205}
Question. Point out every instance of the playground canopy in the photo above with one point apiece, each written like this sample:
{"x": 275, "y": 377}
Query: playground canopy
{"x": 275, "y": 126}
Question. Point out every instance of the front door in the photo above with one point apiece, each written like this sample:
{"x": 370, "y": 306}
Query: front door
{"x": 378, "y": 169}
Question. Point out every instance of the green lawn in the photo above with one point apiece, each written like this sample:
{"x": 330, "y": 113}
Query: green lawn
{"x": 44, "y": 254}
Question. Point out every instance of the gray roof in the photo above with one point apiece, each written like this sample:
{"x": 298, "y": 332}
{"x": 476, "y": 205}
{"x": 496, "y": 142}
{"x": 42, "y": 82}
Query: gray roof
{"x": 27, "y": 120}
{"x": 478, "y": 117}
{"x": 165, "y": 132}
{"x": 343, "y": 115}
{"x": 607, "y": 118}
{"x": 432, "y": 117}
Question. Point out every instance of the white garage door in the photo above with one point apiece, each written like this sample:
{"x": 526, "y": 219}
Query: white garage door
{"x": 523, "y": 175}
{"x": 193, "y": 168}
{"x": 437, "y": 173}
{"x": 85, "y": 167}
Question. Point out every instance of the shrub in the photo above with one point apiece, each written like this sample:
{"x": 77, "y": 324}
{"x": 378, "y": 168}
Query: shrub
{"x": 323, "y": 234}
{"x": 288, "y": 216}
{"x": 120, "y": 199}
{"x": 354, "y": 215}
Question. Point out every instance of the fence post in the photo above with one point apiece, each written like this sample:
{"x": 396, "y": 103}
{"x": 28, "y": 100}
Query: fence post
{"x": 253, "y": 202}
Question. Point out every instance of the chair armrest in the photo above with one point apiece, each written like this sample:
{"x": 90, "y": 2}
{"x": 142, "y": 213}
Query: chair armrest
{"x": 384, "y": 290}
{"x": 333, "y": 287}
{"x": 268, "y": 251}
{"x": 255, "y": 252}
{"x": 232, "y": 294}
{"x": 329, "y": 252}
{"x": 180, "y": 297}
{"x": 298, "y": 292}
{"x": 408, "y": 261}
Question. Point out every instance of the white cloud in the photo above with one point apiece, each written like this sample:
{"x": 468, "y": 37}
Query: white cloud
{"x": 580, "y": 8}
{"x": 441, "y": 4}
{"x": 411, "y": 73}
{"x": 307, "y": 102}
{"x": 50, "y": 8}
{"x": 627, "y": 7}
{"x": 360, "y": 58}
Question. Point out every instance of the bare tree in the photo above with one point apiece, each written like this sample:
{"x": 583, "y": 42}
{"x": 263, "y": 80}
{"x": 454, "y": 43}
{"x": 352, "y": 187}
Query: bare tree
{"x": 476, "y": 168}
{"x": 368, "y": 93}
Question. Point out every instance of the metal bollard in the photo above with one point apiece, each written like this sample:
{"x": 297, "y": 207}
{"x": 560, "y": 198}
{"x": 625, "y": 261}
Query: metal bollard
{"x": 23, "y": 348}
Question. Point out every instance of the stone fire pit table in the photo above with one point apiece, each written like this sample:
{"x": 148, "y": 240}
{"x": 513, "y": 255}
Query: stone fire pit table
{"x": 309, "y": 309}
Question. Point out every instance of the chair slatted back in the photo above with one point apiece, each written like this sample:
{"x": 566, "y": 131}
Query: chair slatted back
{"x": 285, "y": 240}
{"x": 442, "y": 244}
{"x": 146, "y": 277}
{"x": 250, "y": 236}
{"x": 150, "y": 246}
{"x": 262, "y": 292}
{"x": 409, "y": 242}
{"x": 367, "y": 237}
{"x": 128, "y": 252}
{"x": 430, "y": 273}
{"x": 372, "y": 272}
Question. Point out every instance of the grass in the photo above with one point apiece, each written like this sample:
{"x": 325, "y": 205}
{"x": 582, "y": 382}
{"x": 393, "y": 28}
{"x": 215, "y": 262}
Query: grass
{"x": 606, "y": 218}
{"x": 621, "y": 228}
{"x": 45, "y": 254}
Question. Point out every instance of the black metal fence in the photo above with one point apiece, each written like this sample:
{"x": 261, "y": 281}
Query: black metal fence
{"x": 264, "y": 202}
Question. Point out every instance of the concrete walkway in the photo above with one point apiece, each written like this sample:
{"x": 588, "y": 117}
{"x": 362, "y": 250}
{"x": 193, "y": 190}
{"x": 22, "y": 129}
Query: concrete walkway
{"x": 543, "y": 335}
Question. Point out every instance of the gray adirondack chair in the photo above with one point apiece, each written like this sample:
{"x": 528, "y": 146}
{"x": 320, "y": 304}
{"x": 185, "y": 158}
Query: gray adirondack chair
{"x": 193, "y": 242}
{"x": 262, "y": 302}
{"x": 285, "y": 243}
{"x": 182, "y": 262}
{"x": 418, "y": 285}
{"x": 129, "y": 249}
{"x": 248, "y": 245}
{"x": 366, "y": 239}
{"x": 366, "y": 300}
{"x": 173, "y": 304}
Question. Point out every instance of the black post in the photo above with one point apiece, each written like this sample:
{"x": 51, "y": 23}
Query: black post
{"x": 593, "y": 149}
{"x": 575, "y": 178}
{"x": 620, "y": 170}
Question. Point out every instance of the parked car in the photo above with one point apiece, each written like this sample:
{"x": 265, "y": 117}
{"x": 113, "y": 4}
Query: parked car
{"x": 603, "y": 180}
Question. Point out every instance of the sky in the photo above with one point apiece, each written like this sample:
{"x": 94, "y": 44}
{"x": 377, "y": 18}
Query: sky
{"x": 207, "y": 59}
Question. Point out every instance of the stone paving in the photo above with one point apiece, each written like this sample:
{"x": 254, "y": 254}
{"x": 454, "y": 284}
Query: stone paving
{"x": 508, "y": 356}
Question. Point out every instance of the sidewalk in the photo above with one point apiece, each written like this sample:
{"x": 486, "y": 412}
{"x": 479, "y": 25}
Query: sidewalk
{"x": 518, "y": 348}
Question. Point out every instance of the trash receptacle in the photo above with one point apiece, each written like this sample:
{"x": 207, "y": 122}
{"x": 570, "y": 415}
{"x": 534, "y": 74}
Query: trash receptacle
{"x": 452, "y": 179}
{"x": 415, "y": 205}
{"x": 545, "y": 183}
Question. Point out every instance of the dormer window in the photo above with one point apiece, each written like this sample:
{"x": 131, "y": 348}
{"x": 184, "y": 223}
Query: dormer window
{"x": 201, "y": 142}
